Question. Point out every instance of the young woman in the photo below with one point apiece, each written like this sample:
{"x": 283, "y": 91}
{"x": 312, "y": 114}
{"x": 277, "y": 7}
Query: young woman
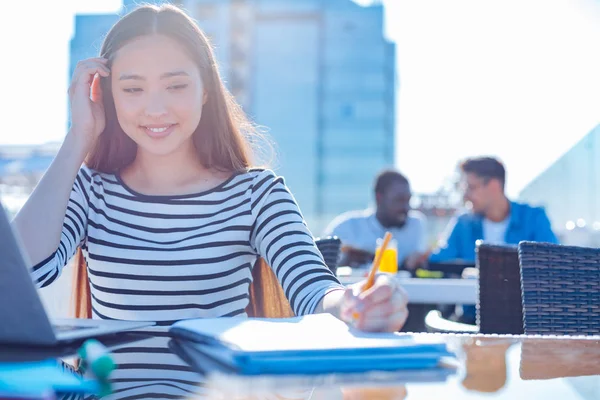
{"x": 167, "y": 212}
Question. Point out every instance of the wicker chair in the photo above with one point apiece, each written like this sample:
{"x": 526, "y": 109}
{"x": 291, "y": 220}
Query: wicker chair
{"x": 560, "y": 289}
{"x": 499, "y": 309}
{"x": 330, "y": 249}
{"x": 269, "y": 299}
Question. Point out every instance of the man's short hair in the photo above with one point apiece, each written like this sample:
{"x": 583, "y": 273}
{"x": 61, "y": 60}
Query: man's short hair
{"x": 485, "y": 167}
{"x": 386, "y": 177}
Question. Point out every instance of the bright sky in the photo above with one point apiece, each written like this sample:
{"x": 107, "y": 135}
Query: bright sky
{"x": 512, "y": 78}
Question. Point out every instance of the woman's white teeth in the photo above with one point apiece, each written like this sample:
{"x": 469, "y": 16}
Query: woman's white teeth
{"x": 158, "y": 130}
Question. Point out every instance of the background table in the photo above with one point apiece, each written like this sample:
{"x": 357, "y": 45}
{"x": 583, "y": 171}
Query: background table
{"x": 433, "y": 291}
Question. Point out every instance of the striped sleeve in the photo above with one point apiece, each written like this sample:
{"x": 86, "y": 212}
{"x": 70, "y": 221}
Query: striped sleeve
{"x": 281, "y": 237}
{"x": 73, "y": 231}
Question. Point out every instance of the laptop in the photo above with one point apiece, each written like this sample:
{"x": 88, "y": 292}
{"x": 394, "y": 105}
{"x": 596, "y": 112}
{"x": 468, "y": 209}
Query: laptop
{"x": 23, "y": 318}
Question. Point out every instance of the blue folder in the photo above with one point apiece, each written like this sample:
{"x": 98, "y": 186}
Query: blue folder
{"x": 313, "y": 344}
{"x": 36, "y": 378}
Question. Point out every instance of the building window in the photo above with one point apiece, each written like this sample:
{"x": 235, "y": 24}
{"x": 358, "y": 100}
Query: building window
{"x": 349, "y": 26}
{"x": 347, "y": 111}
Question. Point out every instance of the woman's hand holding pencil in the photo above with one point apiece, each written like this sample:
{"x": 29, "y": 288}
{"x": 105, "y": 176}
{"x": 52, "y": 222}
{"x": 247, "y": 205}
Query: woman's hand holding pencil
{"x": 377, "y": 304}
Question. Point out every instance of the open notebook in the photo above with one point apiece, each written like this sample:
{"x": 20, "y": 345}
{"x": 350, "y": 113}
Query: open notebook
{"x": 311, "y": 344}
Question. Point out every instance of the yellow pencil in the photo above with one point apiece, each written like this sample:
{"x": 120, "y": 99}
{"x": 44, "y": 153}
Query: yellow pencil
{"x": 371, "y": 278}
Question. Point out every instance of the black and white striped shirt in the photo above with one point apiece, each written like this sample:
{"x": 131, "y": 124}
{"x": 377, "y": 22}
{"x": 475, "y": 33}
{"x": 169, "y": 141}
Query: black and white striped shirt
{"x": 166, "y": 258}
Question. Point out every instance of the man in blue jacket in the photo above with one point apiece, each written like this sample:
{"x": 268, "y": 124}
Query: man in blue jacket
{"x": 492, "y": 218}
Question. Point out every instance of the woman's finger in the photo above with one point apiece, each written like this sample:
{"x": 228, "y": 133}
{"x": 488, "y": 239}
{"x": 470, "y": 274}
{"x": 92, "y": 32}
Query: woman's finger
{"x": 348, "y": 302}
{"x": 96, "y": 90}
{"x": 397, "y": 320}
{"x": 391, "y": 323}
{"x": 92, "y": 61}
{"x": 85, "y": 72}
{"x": 379, "y": 310}
{"x": 83, "y": 79}
{"x": 381, "y": 290}
{"x": 396, "y": 303}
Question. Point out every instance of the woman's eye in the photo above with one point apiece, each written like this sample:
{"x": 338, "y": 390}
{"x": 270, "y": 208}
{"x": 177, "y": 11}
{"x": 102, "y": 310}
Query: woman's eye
{"x": 132, "y": 90}
{"x": 178, "y": 87}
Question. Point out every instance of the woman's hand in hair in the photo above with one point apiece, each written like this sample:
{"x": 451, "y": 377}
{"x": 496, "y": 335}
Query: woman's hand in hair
{"x": 85, "y": 94}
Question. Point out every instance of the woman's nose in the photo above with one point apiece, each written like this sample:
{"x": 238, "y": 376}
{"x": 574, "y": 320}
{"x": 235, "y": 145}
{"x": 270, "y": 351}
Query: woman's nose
{"x": 156, "y": 107}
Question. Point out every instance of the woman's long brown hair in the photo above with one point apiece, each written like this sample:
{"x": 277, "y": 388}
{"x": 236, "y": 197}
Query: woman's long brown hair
{"x": 221, "y": 139}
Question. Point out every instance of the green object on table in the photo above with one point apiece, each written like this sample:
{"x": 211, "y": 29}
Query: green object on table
{"x": 423, "y": 273}
{"x": 96, "y": 358}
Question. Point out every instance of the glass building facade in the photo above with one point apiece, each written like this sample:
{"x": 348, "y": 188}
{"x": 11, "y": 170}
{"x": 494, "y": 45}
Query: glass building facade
{"x": 569, "y": 189}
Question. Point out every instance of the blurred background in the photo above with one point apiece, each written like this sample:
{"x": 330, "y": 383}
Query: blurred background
{"x": 346, "y": 88}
